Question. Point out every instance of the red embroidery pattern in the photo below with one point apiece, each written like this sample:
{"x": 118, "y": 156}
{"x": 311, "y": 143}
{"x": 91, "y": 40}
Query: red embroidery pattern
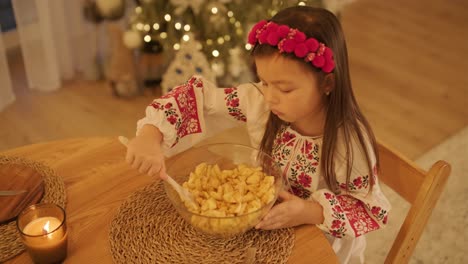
{"x": 358, "y": 217}
{"x": 301, "y": 168}
{"x": 357, "y": 183}
{"x": 288, "y": 138}
{"x": 338, "y": 224}
{"x": 232, "y": 102}
{"x": 184, "y": 117}
{"x": 380, "y": 214}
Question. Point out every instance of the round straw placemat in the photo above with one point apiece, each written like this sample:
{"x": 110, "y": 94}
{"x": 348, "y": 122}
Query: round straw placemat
{"x": 147, "y": 229}
{"x": 54, "y": 192}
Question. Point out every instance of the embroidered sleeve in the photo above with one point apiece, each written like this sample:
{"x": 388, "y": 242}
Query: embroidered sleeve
{"x": 196, "y": 110}
{"x": 176, "y": 114}
{"x": 354, "y": 211}
{"x": 231, "y": 100}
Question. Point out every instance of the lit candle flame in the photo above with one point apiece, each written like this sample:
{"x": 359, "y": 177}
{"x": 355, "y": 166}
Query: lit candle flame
{"x": 45, "y": 229}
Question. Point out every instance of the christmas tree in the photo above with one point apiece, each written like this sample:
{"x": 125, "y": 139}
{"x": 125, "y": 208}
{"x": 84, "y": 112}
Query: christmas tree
{"x": 189, "y": 60}
{"x": 219, "y": 26}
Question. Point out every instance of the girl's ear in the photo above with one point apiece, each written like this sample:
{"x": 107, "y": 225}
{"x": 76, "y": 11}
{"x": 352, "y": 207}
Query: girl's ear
{"x": 329, "y": 83}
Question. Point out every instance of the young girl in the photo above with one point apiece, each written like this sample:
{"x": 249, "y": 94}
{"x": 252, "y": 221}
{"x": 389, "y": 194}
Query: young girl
{"x": 303, "y": 113}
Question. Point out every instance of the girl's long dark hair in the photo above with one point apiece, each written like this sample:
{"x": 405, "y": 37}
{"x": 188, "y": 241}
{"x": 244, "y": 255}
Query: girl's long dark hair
{"x": 343, "y": 113}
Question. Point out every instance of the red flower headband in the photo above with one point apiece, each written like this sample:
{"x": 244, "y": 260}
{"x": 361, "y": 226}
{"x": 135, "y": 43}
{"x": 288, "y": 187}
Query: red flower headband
{"x": 291, "y": 40}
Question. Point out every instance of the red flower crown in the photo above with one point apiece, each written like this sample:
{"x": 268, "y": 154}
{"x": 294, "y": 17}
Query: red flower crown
{"x": 291, "y": 40}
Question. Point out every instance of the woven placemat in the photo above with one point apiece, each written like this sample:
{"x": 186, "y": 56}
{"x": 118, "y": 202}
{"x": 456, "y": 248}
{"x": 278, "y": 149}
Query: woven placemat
{"x": 147, "y": 229}
{"x": 54, "y": 192}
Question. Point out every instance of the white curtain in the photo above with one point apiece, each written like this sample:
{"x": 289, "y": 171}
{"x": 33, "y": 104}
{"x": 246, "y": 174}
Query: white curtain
{"x": 56, "y": 41}
{"x": 57, "y": 44}
{"x": 6, "y": 91}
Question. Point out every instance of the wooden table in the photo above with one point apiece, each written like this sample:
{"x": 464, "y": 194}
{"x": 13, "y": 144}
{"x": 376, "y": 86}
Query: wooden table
{"x": 98, "y": 180}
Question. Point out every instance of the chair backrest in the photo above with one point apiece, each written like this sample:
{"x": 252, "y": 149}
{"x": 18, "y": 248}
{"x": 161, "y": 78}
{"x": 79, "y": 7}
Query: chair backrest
{"x": 420, "y": 188}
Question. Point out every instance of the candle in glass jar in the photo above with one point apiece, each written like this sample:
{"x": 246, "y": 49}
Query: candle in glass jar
{"x": 44, "y": 232}
{"x": 45, "y": 240}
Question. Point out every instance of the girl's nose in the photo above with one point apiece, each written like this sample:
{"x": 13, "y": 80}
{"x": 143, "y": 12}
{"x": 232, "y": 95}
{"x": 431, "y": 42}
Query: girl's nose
{"x": 270, "y": 96}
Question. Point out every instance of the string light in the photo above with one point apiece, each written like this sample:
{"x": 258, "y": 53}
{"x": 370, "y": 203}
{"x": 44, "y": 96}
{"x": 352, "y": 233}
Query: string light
{"x": 176, "y": 32}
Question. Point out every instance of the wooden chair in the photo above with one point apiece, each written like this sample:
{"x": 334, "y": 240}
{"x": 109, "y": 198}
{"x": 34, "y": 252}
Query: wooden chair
{"x": 420, "y": 188}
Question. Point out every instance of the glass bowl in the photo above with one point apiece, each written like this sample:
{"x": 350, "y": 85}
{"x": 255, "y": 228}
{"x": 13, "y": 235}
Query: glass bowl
{"x": 226, "y": 156}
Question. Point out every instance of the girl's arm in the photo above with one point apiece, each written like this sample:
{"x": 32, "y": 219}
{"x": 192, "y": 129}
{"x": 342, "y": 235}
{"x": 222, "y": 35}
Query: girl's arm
{"x": 359, "y": 209}
{"x": 198, "y": 109}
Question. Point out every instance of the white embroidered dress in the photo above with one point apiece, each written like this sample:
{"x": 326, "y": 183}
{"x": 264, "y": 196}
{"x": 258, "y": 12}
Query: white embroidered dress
{"x": 198, "y": 109}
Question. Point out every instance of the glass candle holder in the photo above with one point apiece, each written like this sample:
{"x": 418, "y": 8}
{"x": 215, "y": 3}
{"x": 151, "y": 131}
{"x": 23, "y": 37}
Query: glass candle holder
{"x": 43, "y": 230}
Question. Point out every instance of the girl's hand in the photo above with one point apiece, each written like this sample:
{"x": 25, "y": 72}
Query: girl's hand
{"x": 144, "y": 153}
{"x": 292, "y": 211}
